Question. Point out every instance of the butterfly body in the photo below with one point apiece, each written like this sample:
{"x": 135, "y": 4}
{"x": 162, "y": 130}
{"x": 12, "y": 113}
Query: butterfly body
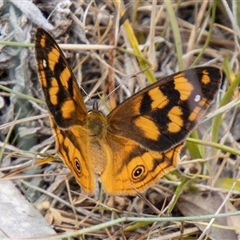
{"x": 138, "y": 141}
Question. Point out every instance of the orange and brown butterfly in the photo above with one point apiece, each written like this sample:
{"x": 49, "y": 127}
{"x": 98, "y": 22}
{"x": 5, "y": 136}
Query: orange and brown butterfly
{"x": 138, "y": 141}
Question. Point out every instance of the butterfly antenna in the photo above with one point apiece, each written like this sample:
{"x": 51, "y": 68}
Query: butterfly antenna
{"x": 124, "y": 81}
{"x": 84, "y": 91}
{"x": 88, "y": 97}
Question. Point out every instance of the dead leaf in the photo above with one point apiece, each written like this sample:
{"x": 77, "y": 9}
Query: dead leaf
{"x": 205, "y": 203}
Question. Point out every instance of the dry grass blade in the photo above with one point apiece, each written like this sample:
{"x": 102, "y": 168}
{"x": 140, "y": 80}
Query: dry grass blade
{"x": 116, "y": 49}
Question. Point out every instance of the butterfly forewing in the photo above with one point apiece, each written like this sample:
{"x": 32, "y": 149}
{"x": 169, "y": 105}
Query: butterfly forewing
{"x": 66, "y": 108}
{"x": 62, "y": 94}
{"x": 163, "y": 114}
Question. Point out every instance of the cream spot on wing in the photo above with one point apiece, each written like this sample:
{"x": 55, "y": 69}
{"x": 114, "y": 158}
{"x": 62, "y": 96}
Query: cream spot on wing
{"x": 44, "y": 63}
{"x": 197, "y": 98}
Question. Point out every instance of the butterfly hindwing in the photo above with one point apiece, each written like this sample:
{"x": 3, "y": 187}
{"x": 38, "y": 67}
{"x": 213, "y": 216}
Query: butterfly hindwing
{"x": 132, "y": 167}
{"x": 71, "y": 146}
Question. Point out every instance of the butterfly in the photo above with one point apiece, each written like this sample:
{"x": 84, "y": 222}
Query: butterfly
{"x": 137, "y": 142}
